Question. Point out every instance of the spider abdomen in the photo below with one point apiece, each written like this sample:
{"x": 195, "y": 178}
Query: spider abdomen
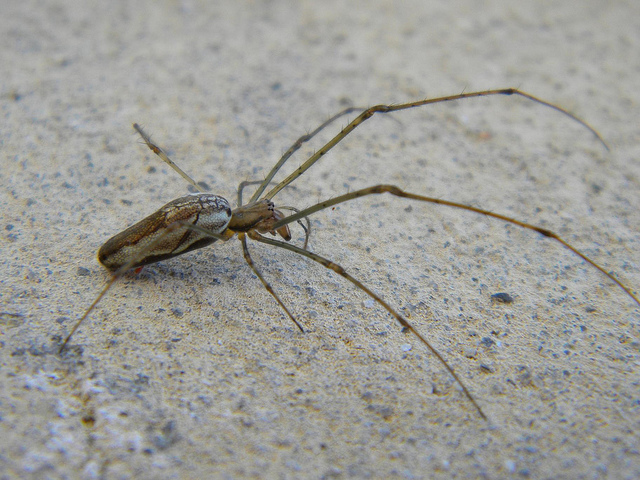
{"x": 160, "y": 236}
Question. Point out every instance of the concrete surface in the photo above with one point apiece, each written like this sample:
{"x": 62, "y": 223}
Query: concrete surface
{"x": 190, "y": 369}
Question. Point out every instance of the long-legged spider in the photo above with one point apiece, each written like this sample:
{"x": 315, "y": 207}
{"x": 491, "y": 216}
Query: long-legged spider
{"x": 199, "y": 219}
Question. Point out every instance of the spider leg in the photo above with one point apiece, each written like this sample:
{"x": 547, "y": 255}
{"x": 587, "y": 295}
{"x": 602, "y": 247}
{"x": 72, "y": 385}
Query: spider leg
{"x": 249, "y": 260}
{"x": 297, "y": 144}
{"x": 307, "y": 229}
{"x": 404, "y": 106}
{"x": 115, "y": 276}
{"x": 406, "y": 326}
{"x": 393, "y": 190}
{"x": 165, "y": 158}
{"x": 106, "y": 288}
{"x": 244, "y": 185}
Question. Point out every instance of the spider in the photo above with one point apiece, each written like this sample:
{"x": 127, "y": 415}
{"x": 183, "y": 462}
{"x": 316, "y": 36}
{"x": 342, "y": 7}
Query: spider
{"x": 200, "y": 219}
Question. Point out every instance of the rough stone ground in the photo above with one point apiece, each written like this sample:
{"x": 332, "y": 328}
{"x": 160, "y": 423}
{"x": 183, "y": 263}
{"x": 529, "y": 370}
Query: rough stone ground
{"x": 190, "y": 369}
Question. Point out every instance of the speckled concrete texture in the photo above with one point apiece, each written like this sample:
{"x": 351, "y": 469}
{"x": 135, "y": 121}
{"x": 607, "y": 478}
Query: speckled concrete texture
{"x": 191, "y": 370}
